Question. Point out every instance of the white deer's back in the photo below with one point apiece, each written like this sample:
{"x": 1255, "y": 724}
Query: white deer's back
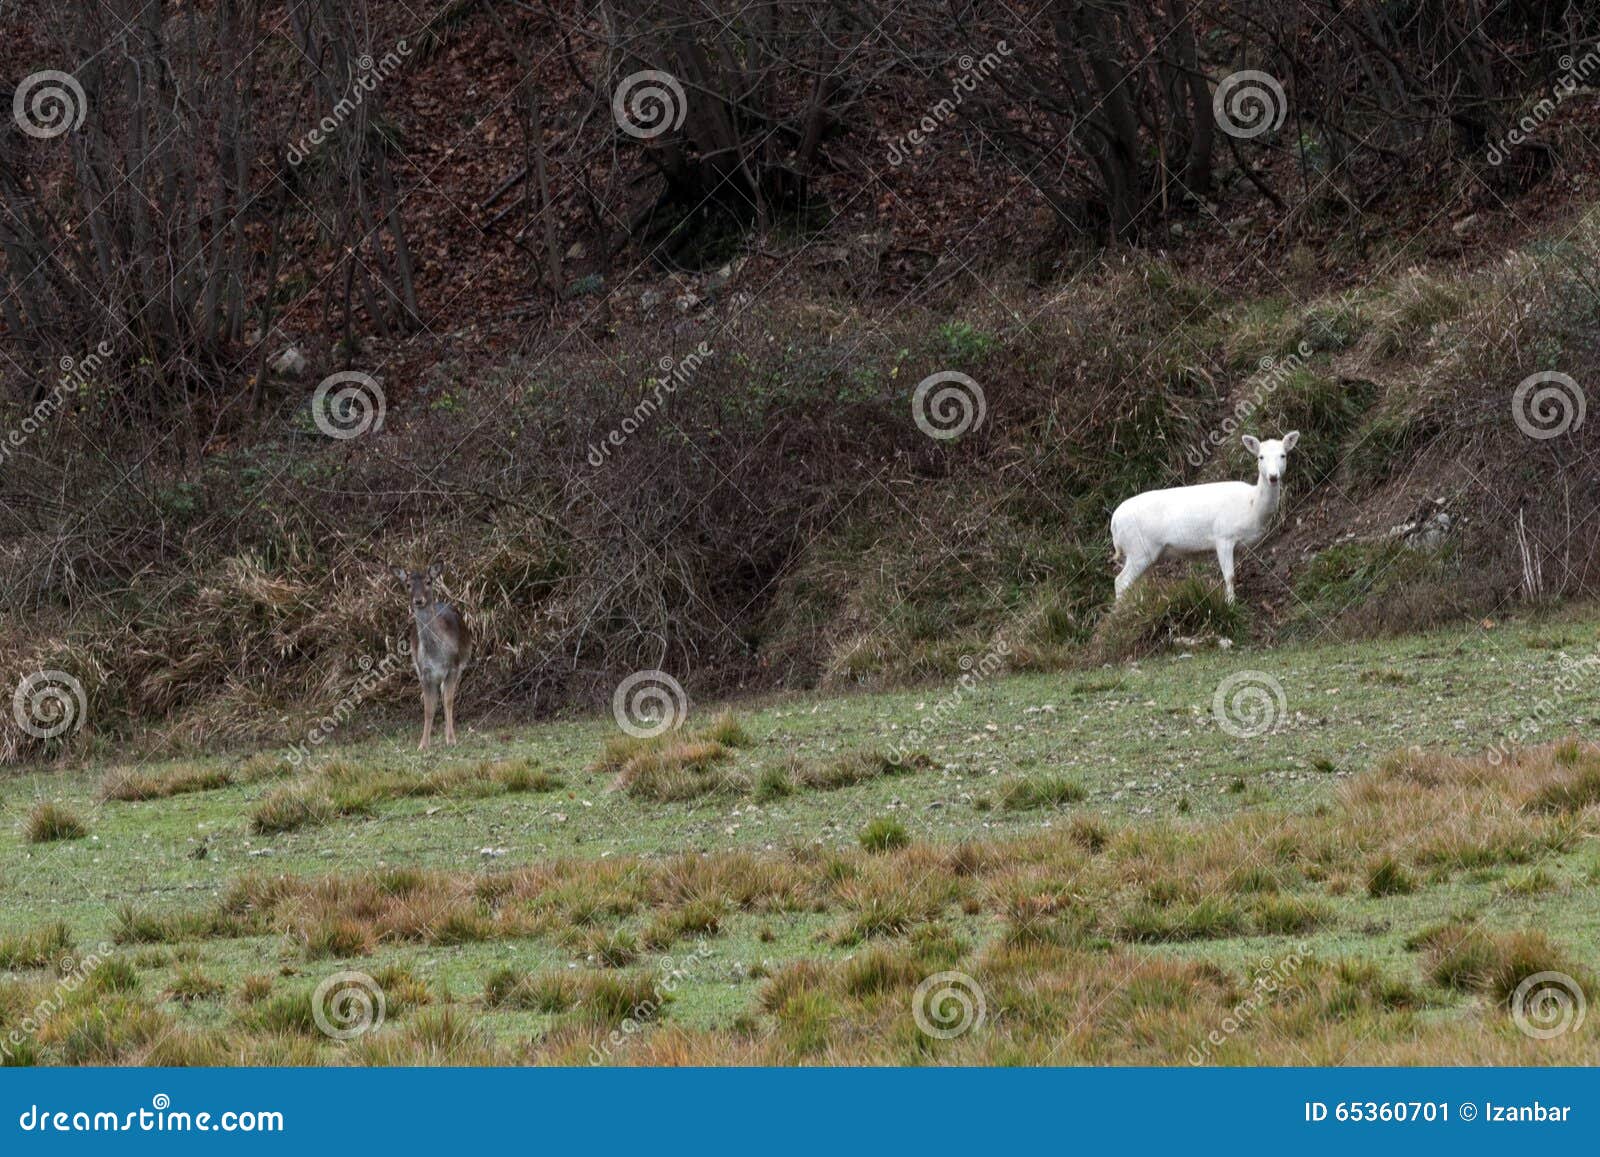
{"x": 1188, "y": 519}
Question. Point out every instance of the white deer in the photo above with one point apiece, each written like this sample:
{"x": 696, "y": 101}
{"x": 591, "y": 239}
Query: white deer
{"x": 1216, "y": 516}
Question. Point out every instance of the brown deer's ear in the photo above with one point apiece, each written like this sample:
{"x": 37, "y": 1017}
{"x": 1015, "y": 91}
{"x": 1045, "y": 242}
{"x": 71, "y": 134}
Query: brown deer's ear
{"x": 436, "y": 570}
{"x": 400, "y": 573}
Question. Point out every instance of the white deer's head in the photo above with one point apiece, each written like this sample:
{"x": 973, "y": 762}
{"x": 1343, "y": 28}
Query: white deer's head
{"x": 1272, "y": 456}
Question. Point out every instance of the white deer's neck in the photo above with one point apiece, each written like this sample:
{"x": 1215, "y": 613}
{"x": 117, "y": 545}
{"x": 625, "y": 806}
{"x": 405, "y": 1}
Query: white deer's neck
{"x": 1265, "y": 504}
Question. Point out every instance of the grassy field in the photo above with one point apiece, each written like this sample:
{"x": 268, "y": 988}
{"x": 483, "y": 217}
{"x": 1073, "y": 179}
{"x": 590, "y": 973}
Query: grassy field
{"x": 1083, "y": 867}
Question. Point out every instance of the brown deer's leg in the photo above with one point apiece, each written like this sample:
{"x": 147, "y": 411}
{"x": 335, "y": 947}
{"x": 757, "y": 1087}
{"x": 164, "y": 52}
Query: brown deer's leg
{"x": 430, "y": 704}
{"x": 451, "y": 682}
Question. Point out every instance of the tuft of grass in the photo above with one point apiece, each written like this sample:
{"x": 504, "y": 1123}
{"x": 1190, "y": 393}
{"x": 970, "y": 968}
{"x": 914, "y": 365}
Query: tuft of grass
{"x": 727, "y": 730}
{"x": 1519, "y": 955}
{"x": 1534, "y": 883}
{"x": 858, "y": 767}
{"x": 340, "y": 937}
{"x": 1570, "y": 793}
{"x": 289, "y": 809}
{"x": 402, "y": 988}
{"x": 114, "y": 974}
{"x": 190, "y": 984}
{"x": 884, "y": 835}
{"x": 1388, "y": 877}
{"x": 109, "y": 1031}
{"x": 774, "y": 784}
{"x": 878, "y": 970}
{"x": 261, "y": 766}
{"x": 39, "y": 948}
{"x": 617, "y": 948}
{"x": 1459, "y": 955}
{"x": 547, "y": 992}
{"x": 1049, "y": 791}
{"x": 612, "y": 997}
{"x": 128, "y": 784}
{"x": 287, "y": 1012}
{"x": 1213, "y": 918}
{"x": 1289, "y": 915}
{"x": 1470, "y": 958}
{"x": 52, "y": 821}
{"x": 699, "y": 918}
{"x": 525, "y": 775}
{"x": 1155, "y": 612}
{"x": 680, "y": 769}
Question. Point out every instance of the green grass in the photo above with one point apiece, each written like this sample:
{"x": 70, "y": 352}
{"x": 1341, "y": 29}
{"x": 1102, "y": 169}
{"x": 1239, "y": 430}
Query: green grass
{"x": 1092, "y": 765}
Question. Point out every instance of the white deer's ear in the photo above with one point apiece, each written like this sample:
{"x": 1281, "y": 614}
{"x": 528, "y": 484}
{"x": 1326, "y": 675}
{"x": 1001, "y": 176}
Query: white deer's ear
{"x": 1290, "y": 439}
{"x": 400, "y": 573}
{"x": 1251, "y": 444}
{"x": 436, "y": 570}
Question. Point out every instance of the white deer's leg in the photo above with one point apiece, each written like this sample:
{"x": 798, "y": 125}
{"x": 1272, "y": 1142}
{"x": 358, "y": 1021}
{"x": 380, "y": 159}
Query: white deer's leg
{"x": 1135, "y": 566}
{"x": 1225, "y": 561}
{"x": 430, "y": 704}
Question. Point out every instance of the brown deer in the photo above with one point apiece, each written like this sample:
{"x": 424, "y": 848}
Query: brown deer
{"x": 440, "y": 648}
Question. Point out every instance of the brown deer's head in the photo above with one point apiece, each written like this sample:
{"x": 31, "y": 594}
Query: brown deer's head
{"x": 421, "y": 583}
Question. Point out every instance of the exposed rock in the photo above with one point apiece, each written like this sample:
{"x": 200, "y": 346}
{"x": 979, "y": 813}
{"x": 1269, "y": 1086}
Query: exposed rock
{"x": 1427, "y": 528}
